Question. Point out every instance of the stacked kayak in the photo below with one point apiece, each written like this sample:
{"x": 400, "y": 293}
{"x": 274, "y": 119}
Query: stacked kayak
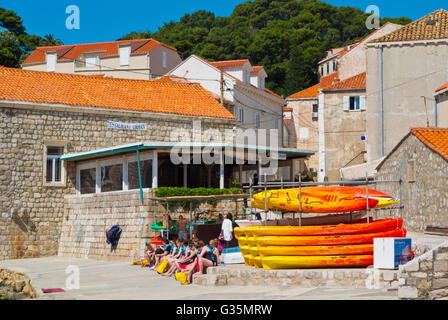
{"x": 321, "y": 199}
{"x": 291, "y": 247}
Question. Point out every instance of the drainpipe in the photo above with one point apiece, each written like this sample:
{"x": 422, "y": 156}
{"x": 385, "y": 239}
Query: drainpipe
{"x": 436, "y": 107}
{"x": 380, "y": 52}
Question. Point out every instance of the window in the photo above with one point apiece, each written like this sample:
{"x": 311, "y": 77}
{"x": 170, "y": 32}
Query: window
{"x": 354, "y": 103}
{"x": 315, "y": 107}
{"x": 328, "y": 67}
{"x": 239, "y": 113}
{"x": 257, "y": 120}
{"x": 112, "y": 177}
{"x": 145, "y": 171}
{"x": 51, "y": 61}
{"x": 116, "y": 174}
{"x": 274, "y": 123}
{"x": 335, "y": 66}
{"x": 321, "y": 71}
{"x": 124, "y": 55}
{"x": 92, "y": 61}
{"x": 246, "y": 76}
{"x": 411, "y": 170}
{"x": 54, "y": 164}
{"x": 164, "y": 58}
{"x": 87, "y": 179}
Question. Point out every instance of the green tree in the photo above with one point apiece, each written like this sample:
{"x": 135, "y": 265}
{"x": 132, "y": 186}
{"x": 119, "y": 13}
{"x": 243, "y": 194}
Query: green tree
{"x": 287, "y": 37}
{"x": 10, "y": 50}
{"x": 49, "y": 40}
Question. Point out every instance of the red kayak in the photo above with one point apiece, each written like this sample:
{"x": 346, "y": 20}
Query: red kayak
{"x": 338, "y": 229}
{"x": 327, "y": 240}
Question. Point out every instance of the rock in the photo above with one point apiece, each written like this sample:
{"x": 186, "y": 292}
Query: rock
{"x": 438, "y": 294}
{"x": 439, "y": 283}
{"x": 441, "y": 266}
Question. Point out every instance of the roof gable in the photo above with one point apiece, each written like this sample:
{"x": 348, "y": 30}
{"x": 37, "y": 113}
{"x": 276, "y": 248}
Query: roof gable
{"x": 436, "y": 139}
{"x": 73, "y": 52}
{"x": 430, "y": 27}
{"x": 189, "y": 99}
{"x": 355, "y": 82}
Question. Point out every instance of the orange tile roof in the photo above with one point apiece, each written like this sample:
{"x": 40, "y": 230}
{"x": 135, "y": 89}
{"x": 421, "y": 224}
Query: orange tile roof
{"x": 229, "y": 63}
{"x": 189, "y": 99}
{"x": 355, "y": 82}
{"x": 311, "y": 92}
{"x": 430, "y": 27}
{"x": 445, "y": 86}
{"x": 72, "y": 52}
{"x": 257, "y": 69}
{"x": 435, "y": 138}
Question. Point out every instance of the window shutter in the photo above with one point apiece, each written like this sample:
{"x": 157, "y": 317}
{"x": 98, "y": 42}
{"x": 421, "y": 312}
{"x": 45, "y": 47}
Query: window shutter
{"x": 124, "y": 56}
{"x": 346, "y": 101}
{"x": 362, "y": 102}
{"x": 51, "y": 62}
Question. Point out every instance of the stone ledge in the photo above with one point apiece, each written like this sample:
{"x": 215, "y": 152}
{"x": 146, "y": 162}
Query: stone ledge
{"x": 244, "y": 275}
{"x": 15, "y": 285}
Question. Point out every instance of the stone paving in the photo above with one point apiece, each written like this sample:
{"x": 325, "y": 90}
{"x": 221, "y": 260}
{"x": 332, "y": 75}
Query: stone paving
{"x": 119, "y": 280}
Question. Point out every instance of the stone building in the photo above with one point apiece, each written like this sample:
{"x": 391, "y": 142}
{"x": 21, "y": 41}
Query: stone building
{"x": 403, "y": 69}
{"x": 70, "y": 149}
{"x": 133, "y": 59}
{"x": 420, "y": 159}
{"x": 330, "y": 117}
{"x": 441, "y": 114}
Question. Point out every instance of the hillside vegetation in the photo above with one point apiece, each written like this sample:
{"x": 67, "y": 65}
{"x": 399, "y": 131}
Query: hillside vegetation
{"x": 287, "y": 37}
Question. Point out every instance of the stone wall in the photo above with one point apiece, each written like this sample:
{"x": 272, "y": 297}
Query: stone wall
{"x": 241, "y": 275}
{"x": 425, "y": 277}
{"x": 86, "y": 218}
{"x": 425, "y": 197}
{"x": 31, "y": 212}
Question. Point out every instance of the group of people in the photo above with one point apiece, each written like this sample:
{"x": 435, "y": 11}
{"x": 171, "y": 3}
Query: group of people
{"x": 184, "y": 258}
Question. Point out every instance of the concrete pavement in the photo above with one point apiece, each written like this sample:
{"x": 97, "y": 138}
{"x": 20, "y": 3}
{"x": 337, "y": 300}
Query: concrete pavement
{"x": 119, "y": 280}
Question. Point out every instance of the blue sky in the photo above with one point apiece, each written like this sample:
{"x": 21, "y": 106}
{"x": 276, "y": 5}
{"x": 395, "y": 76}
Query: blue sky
{"x": 109, "y": 20}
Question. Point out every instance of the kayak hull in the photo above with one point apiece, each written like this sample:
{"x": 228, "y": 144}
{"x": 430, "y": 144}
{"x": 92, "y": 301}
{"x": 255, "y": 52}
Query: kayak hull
{"x": 299, "y": 262}
{"x": 362, "y": 249}
{"x": 327, "y": 240}
{"x": 339, "y": 229}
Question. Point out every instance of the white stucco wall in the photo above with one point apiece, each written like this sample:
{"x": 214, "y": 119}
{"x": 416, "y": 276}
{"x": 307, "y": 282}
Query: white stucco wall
{"x": 410, "y": 71}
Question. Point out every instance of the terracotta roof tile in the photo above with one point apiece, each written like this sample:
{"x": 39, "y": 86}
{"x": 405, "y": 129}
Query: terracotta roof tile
{"x": 71, "y": 52}
{"x": 435, "y": 138}
{"x": 112, "y": 93}
{"x": 257, "y": 69}
{"x": 229, "y": 63}
{"x": 445, "y": 86}
{"x": 355, "y": 82}
{"x": 430, "y": 27}
{"x": 311, "y": 92}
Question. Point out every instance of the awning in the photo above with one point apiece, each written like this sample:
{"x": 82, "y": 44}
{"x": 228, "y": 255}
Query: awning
{"x": 283, "y": 153}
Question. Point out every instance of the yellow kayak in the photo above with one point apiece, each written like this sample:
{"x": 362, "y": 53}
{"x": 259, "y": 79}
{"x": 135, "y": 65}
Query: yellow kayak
{"x": 321, "y": 199}
{"x": 298, "y": 262}
{"x": 257, "y": 262}
{"x": 314, "y": 250}
{"x": 242, "y": 241}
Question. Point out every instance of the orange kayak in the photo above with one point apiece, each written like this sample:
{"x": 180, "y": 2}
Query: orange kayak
{"x": 339, "y": 229}
{"x": 296, "y": 262}
{"x": 315, "y": 250}
{"x": 327, "y": 240}
{"x": 321, "y": 199}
